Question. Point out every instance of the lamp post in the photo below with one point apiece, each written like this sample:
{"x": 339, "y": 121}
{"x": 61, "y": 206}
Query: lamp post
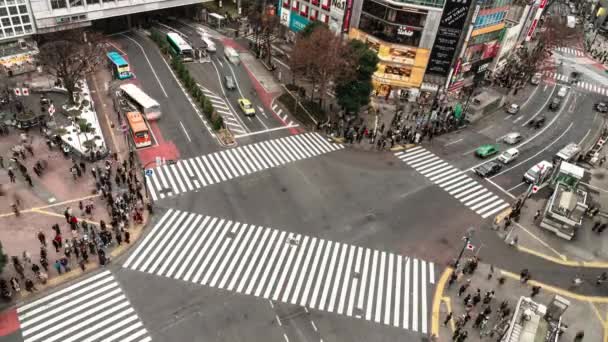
{"x": 467, "y": 239}
{"x": 143, "y": 170}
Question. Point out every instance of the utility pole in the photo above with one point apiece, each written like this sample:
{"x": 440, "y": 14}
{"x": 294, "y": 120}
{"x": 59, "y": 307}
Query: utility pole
{"x": 467, "y": 239}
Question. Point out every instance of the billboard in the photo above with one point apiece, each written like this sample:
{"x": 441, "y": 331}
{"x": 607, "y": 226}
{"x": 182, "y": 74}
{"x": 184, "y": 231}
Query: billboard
{"x": 297, "y": 22}
{"x": 452, "y": 22}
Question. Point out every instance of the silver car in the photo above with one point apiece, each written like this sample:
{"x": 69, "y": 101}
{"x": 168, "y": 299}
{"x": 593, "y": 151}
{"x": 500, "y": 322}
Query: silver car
{"x": 512, "y": 138}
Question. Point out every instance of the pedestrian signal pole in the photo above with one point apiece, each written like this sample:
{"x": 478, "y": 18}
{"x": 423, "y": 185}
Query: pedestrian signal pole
{"x": 467, "y": 239}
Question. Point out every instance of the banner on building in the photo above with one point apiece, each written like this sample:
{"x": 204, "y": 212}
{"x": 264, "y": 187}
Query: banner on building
{"x": 453, "y": 20}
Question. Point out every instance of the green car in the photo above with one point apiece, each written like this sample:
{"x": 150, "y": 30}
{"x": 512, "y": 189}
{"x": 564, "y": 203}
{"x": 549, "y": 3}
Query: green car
{"x": 486, "y": 150}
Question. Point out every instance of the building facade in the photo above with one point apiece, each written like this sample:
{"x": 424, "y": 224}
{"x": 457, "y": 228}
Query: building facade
{"x": 296, "y": 14}
{"x": 402, "y": 34}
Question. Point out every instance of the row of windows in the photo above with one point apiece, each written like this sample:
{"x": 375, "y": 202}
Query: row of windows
{"x": 490, "y": 19}
{"x": 16, "y": 31}
{"x": 14, "y": 21}
{"x": 483, "y": 4}
{"x": 11, "y": 2}
{"x": 57, "y": 4}
{"x": 13, "y": 10}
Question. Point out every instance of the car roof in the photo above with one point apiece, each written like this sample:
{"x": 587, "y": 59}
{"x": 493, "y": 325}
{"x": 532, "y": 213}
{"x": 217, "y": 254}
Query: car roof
{"x": 244, "y": 100}
{"x": 512, "y": 150}
{"x": 486, "y": 147}
{"x": 513, "y": 135}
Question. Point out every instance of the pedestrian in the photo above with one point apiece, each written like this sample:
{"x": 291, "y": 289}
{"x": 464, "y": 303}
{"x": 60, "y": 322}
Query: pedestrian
{"x": 467, "y": 299}
{"x": 118, "y": 238}
{"x": 127, "y": 236}
{"x": 537, "y": 215}
{"x": 57, "y": 266}
{"x": 41, "y": 238}
{"x": 66, "y": 214}
{"x": 11, "y": 175}
{"x": 491, "y": 273}
{"x": 15, "y": 284}
{"x": 2, "y": 162}
{"x": 579, "y": 336}
{"x": 577, "y": 281}
{"x": 65, "y": 263}
{"x": 82, "y": 265}
{"x": 476, "y": 298}
{"x": 488, "y": 297}
{"x": 28, "y": 179}
{"x": 524, "y": 275}
{"x": 447, "y": 319}
{"x": 35, "y": 268}
{"x": 27, "y": 257}
{"x": 535, "y": 291}
{"x": 596, "y": 225}
{"x": 451, "y": 280}
{"x": 462, "y": 337}
{"x": 601, "y": 278}
{"x": 462, "y": 289}
{"x": 29, "y": 286}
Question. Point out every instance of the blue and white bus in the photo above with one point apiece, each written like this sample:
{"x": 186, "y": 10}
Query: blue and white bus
{"x": 180, "y": 47}
{"x": 120, "y": 67}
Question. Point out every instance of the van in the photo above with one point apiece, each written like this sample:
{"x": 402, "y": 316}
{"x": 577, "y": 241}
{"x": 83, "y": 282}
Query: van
{"x": 508, "y": 156}
{"x": 538, "y": 173}
{"x": 562, "y": 92}
{"x": 229, "y": 82}
{"x": 569, "y": 152}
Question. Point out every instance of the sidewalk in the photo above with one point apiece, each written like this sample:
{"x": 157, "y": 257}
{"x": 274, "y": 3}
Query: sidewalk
{"x": 582, "y": 315}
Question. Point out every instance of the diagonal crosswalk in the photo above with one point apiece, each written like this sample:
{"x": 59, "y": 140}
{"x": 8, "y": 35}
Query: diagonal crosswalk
{"x": 595, "y": 88}
{"x": 298, "y": 269}
{"x": 457, "y": 183}
{"x": 571, "y": 51}
{"x": 231, "y": 120}
{"x": 94, "y": 309}
{"x": 191, "y": 174}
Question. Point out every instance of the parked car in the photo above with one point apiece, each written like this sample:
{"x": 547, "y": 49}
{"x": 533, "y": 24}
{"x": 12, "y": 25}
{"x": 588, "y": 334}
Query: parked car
{"x": 488, "y": 169}
{"x": 537, "y": 122}
{"x": 246, "y": 107}
{"x": 229, "y": 82}
{"x": 555, "y": 103}
{"x": 509, "y": 155}
{"x": 513, "y": 108}
{"x": 485, "y": 151}
{"x": 601, "y": 107}
{"x": 512, "y": 138}
{"x": 535, "y": 80}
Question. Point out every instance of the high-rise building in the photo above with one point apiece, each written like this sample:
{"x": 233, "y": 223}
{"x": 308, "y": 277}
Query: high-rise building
{"x": 402, "y": 34}
{"x": 296, "y": 14}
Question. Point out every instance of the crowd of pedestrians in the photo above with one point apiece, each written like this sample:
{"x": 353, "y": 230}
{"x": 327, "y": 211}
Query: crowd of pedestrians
{"x": 64, "y": 246}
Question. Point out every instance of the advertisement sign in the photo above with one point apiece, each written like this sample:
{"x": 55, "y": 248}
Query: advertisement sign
{"x": 490, "y": 50}
{"x": 348, "y": 11}
{"x": 337, "y": 8}
{"x": 284, "y": 15}
{"x": 297, "y": 22}
{"x": 453, "y": 20}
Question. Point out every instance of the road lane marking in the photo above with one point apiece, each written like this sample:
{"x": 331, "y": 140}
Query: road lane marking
{"x": 149, "y": 63}
{"x": 185, "y": 132}
{"x": 453, "y": 142}
{"x": 541, "y": 108}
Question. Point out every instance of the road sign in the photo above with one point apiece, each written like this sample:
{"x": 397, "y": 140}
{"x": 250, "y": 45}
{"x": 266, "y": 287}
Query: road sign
{"x": 149, "y": 172}
{"x": 470, "y": 247}
{"x": 17, "y": 91}
{"x": 535, "y": 189}
{"x": 51, "y": 110}
{"x": 25, "y": 91}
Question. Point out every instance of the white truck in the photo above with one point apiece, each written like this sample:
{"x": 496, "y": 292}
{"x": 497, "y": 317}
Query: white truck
{"x": 569, "y": 153}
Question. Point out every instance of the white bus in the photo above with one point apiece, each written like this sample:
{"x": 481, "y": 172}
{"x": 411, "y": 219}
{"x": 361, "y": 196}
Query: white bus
{"x": 571, "y": 21}
{"x": 209, "y": 43}
{"x": 180, "y": 47}
{"x": 146, "y": 105}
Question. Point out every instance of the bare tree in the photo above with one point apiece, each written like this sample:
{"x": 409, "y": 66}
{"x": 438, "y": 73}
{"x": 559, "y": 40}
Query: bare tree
{"x": 70, "y": 56}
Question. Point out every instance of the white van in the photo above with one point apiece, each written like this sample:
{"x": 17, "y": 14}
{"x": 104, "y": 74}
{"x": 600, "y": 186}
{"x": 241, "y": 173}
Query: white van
{"x": 562, "y": 92}
{"x": 538, "y": 173}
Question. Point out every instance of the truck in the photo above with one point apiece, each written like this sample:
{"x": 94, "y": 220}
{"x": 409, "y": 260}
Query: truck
{"x": 571, "y": 21}
{"x": 569, "y": 153}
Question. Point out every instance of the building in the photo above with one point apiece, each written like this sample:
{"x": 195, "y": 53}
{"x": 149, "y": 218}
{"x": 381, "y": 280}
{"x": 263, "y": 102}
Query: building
{"x": 296, "y": 14}
{"x": 16, "y": 47}
{"x": 533, "y": 321}
{"x": 402, "y": 33}
{"x": 515, "y": 22}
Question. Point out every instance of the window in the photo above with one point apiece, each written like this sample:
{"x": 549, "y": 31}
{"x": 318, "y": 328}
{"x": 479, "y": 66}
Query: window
{"x": 15, "y": 21}
{"x": 23, "y": 9}
{"x": 304, "y": 10}
{"x": 18, "y": 30}
{"x": 325, "y": 6}
{"x": 2, "y": 3}
{"x": 295, "y": 6}
{"x": 3, "y": 12}
{"x": 25, "y": 19}
{"x": 286, "y": 4}
{"x": 8, "y": 32}
{"x": 28, "y": 28}
{"x": 13, "y": 10}
{"x": 75, "y": 3}
{"x": 108, "y": 0}
{"x": 315, "y": 2}
{"x": 6, "y": 22}
{"x": 56, "y": 4}
{"x": 313, "y": 14}
{"x": 92, "y": 2}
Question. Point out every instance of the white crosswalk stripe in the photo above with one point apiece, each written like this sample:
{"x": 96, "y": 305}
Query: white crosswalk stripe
{"x": 571, "y": 51}
{"x": 581, "y": 84}
{"x": 219, "y": 104}
{"x": 94, "y": 309}
{"x": 191, "y": 174}
{"x": 289, "y": 267}
{"x": 459, "y": 185}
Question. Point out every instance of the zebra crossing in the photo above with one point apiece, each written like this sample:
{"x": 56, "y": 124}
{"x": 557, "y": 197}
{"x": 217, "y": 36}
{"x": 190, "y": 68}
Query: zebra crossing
{"x": 457, "y": 183}
{"x": 571, "y": 51}
{"x": 191, "y": 174}
{"x": 580, "y": 84}
{"x": 231, "y": 120}
{"x": 94, "y": 309}
{"x": 292, "y": 268}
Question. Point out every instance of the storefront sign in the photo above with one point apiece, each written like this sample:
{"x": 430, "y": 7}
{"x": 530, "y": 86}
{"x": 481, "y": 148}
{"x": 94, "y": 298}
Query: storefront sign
{"x": 284, "y": 16}
{"x": 297, "y": 22}
{"x": 348, "y": 11}
{"x": 450, "y": 28}
{"x": 488, "y": 29}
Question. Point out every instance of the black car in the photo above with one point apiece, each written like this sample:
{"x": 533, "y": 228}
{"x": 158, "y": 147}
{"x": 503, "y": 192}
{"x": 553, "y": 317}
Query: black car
{"x": 537, "y": 122}
{"x": 488, "y": 169}
{"x": 555, "y": 103}
{"x": 601, "y": 107}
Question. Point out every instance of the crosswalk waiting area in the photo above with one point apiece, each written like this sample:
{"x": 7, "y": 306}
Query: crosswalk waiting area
{"x": 457, "y": 183}
{"x": 292, "y": 268}
{"x": 191, "y": 174}
{"x": 94, "y": 309}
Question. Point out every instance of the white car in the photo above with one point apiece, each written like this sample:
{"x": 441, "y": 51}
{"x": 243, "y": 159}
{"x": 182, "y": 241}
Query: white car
{"x": 512, "y": 138}
{"x": 513, "y": 108}
{"x": 508, "y": 156}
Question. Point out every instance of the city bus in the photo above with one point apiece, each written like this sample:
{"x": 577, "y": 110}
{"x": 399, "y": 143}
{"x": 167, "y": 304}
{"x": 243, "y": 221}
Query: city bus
{"x": 146, "y": 105}
{"x": 120, "y": 67}
{"x": 139, "y": 129}
{"x": 180, "y": 47}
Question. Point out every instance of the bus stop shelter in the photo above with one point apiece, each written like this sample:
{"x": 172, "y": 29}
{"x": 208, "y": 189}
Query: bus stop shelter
{"x": 215, "y": 19}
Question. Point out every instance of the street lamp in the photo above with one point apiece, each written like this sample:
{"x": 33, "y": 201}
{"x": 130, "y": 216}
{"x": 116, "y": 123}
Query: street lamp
{"x": 467, "y": 239}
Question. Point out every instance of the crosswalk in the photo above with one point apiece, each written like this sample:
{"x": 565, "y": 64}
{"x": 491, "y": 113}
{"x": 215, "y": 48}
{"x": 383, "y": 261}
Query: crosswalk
{"x": 292, "y": 268}
{"x": 231, "y": 120}
{"x": 457, "y": 183}
{"x": 580, "y": 84}
{"x": 191, "y": 174}
{"x": 94, "y": 309}
{"x": 571, "y": 51}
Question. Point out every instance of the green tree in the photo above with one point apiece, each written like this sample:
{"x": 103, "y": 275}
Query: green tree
{"x": 354, "y": 85}
{"x": 3, "y": 258}
{"x": 311, "y": 27}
